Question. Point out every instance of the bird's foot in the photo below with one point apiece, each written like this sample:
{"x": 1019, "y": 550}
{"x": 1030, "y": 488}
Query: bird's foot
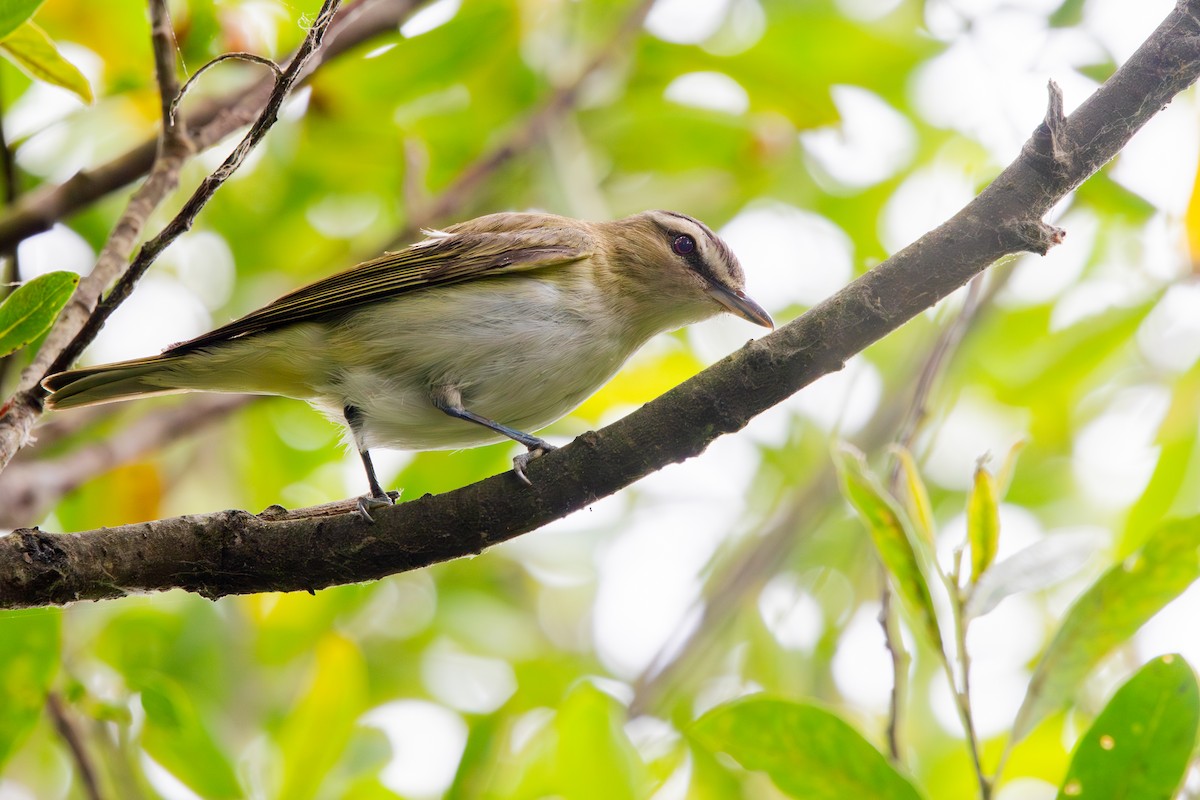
{"x": 369, "y": 502}
{"x": 540, "y": 448}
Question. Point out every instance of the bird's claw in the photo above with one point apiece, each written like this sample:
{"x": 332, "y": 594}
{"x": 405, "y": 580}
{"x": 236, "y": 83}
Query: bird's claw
{"x": 521, "y": 461}
{"x": 368, "y": 502}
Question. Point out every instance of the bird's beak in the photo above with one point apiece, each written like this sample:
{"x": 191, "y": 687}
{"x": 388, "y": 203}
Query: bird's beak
{"x": 737, "y": 303}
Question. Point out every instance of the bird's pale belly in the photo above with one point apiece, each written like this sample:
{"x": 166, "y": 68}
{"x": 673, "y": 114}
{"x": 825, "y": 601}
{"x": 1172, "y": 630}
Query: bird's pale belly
{"x": 522, "y": 364}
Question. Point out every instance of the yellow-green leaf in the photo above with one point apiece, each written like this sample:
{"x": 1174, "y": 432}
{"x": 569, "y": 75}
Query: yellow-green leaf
{"x": 983, "y": 522}
{"x": 808, "y": 752}
{"x": 34, "y": 52}
{"x": 920, "y": 510}
{"x": 889, "y": 531}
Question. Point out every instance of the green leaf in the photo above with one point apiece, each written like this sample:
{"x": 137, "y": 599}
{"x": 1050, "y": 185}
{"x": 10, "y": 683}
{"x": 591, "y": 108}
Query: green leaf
{"x": 1110, "y": 612}
{"x": 34, "y": 52}
{"x": 1140, "y": 745}
{"x": 920, "y": 510}
{"x": 28, "y": 312}
{"x": 889, "y": 532}
{"x": 29, "y": 655}
{"x": 807, "y": 751}
{"x": 983, "y": 522}
{"x": 14, "y": 13}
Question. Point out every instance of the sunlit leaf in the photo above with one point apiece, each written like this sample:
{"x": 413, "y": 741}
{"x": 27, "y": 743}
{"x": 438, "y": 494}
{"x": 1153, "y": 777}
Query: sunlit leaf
{"x": 885, "y": 522}
{"x": 15, "y": 12}
{"x": 33, "y": 51}
{"x": 809, "y": 752}
{"x": 30, "y": 310}
{"x": 1110, "y": 612}
{"x": 29, "y": 655}
{"x": 1140, "y": 745}
{"x": 983, "y": 522}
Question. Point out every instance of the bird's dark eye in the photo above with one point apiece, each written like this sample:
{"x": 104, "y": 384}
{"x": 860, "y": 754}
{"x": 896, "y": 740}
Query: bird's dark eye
{"x": 684, "y": 245}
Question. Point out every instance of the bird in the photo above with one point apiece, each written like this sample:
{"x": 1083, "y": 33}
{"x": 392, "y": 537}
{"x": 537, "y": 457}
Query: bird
{"x": 479, "y": 332}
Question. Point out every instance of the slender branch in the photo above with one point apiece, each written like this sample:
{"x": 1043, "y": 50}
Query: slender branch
{"x": 235, "y": 552}
{"x": 85, "y": 315}
{"x": 182, "y": 222}
{"x": 162, "y": 33}
{"x": 209, "y": 123}
{"x": 276, "y": 70}
{"x": 173, "y": 150}
{"x": 68, "y": 729}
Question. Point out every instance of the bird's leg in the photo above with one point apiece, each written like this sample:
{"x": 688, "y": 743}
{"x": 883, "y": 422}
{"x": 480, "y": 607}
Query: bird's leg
{"x": 378, "y": 497}
{"x": 449, "y": 401}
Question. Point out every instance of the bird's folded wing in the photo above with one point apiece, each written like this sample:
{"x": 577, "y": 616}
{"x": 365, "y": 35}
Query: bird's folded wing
{"x": 438, "y": 261}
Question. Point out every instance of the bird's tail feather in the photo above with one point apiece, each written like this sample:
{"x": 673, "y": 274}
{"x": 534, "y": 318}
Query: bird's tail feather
{"x": 105, "y": 384}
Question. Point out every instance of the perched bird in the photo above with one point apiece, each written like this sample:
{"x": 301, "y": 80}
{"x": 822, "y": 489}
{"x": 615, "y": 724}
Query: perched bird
{"x": 480, "y": 332}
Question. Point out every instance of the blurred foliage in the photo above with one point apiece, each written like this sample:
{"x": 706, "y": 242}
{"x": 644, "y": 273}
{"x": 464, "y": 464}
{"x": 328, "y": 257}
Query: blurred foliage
{"x": 530, "y": 671}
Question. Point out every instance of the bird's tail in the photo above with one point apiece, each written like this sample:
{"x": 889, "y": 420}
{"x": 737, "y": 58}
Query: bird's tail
{"x": 105, "y": 384}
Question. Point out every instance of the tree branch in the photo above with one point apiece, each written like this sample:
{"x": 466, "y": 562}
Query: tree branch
{"x": 235, "y": 552}
{"x": 209, "y": 123}
{"x": 86, "y": 314}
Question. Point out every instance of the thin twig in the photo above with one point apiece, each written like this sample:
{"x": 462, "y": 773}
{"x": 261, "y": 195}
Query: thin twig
{"x": 935, "y": 365}
{"x": 162, "y": 33}
{"x": 67, "y": 728}
{"x": 85, "y": 315}
{"x": 239, "y": 56}
{"x": 210, "y": 122}
{"x": 182, "y": 222}
{"x": 889, "y": 620}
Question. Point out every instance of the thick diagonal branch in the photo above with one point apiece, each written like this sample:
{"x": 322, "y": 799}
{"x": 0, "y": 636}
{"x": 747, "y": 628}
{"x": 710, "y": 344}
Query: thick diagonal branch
{"x": 236, "y": 552}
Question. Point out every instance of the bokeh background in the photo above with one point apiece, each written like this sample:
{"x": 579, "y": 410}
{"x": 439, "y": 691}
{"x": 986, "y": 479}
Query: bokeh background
{"x": 817, "y": 137}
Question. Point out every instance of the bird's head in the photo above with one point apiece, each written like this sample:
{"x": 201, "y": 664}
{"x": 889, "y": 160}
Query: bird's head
{"x": 677, "y": 263}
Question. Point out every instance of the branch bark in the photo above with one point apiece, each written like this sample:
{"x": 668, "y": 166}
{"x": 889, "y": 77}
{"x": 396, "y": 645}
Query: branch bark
{"x": 236, "y": 552}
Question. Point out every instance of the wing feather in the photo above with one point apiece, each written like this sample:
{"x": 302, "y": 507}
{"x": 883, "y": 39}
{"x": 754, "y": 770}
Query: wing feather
{"x": 438, "y": 261}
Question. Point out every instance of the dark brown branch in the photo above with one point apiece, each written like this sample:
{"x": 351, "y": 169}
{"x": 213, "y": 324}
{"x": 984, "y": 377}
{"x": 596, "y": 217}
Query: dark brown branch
{"x": 208, "y": 122}
{"x": 234, "y": 552}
